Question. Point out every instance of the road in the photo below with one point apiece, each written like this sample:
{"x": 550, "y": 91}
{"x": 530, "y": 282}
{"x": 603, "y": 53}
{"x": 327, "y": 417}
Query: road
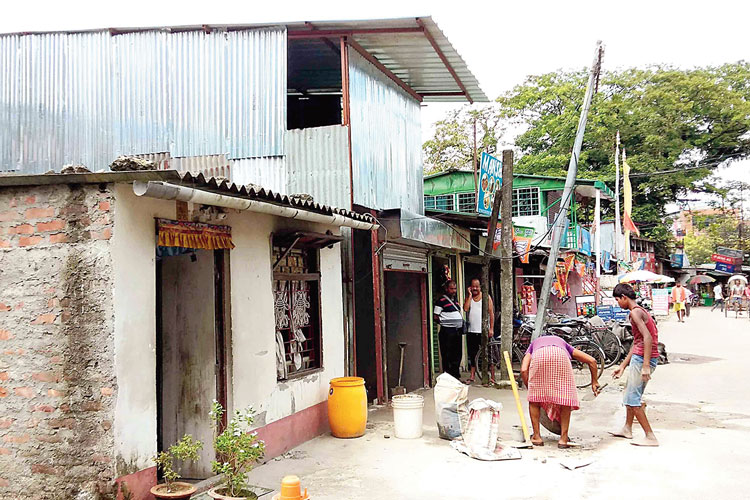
{"x": 699, "y": 406}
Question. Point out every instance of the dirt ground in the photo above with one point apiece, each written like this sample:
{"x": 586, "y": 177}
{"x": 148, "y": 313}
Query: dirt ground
{"x": 699, "y": 406}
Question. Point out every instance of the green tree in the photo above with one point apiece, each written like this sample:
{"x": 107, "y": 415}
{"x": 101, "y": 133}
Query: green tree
{"x": 452, "y": 145}
{"x": 668, "y": 119}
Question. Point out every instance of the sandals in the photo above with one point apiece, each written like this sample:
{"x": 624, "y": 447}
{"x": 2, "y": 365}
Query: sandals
{"x": 469, "y": 381}
{"x": 569, "y": 444}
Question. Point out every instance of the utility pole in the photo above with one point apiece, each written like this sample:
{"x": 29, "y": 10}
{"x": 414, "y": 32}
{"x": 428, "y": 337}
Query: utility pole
{"x": 485, "y": 282}
{"x": 561, "y": 222}
{"x": 476, "y": 185}
{"x": 618, "y": 228}
{"x": 506, "y": 263}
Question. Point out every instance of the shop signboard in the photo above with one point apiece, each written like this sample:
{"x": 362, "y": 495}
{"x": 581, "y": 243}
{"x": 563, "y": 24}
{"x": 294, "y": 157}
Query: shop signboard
{"x": 725, "y": 268}
{"x": 660, "y": 301}
{"x": 490, "y": 180}
{"x": 724, "y": 259}
{"x": 729, "y": 252}
{"x": 675, "y": 260}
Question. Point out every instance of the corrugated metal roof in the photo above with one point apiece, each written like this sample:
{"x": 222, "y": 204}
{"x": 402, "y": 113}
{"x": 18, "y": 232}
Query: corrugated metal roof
{"x": 211, "y": 184}
{"x": 408, "y": 54}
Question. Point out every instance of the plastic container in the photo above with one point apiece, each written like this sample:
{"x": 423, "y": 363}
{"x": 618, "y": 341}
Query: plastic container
{"x": 407, "y": 416}
{"x": 347, "y": 407}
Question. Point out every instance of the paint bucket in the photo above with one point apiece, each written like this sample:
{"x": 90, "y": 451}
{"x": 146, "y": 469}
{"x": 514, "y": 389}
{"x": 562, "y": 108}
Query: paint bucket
{"x": 407, "y": 415}
{"x": 347, "y": 407}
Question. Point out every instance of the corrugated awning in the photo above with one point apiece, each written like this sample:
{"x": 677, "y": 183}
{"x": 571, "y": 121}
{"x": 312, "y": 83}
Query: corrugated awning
{"x": 413, "y": 49}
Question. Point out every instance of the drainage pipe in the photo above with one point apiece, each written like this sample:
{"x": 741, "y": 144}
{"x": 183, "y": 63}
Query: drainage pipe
{"x": 167, "y": 191}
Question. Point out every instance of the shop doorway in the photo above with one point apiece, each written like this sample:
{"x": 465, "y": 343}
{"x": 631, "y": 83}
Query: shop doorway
{"x": 406, "y": 317}
{"x": 192, "y": 342}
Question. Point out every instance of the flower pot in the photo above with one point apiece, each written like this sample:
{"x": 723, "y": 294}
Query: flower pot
{"x": 221, "y": 493}
{"x": 180, "y": 490}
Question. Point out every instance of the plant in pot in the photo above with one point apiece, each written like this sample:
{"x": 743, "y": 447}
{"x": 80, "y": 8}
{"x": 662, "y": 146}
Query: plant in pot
{"x": 237, "y": 450}
{"x": 186, "y": 448}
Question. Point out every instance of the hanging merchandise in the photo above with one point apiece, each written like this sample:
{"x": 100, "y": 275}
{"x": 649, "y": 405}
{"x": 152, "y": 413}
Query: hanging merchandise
{"x": 560, "y": 286}
{"x": 580, "y": 267}
{"x": 528, "y": 299}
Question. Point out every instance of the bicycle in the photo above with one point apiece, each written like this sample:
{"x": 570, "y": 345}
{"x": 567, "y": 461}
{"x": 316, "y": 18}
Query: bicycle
{"x": 584, "y": 344}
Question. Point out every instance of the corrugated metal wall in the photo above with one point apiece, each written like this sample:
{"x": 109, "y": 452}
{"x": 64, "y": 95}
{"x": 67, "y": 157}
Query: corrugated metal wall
{"x": 268, "y": 172}
{"x": 386, "y": 140}
{"x": 88, "y": 97}
{"x": 318, "y": 164}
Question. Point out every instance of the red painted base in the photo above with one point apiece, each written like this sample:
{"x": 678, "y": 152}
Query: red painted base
{"x": 280, "y": 437}
{"x": 138, "y": 484}
{"x": 289, "y": 432}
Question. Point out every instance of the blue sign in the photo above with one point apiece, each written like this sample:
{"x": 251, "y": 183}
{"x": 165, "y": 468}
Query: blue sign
{"x": 584, "y": 240}
{"x": 725, "y": 268}
{"x": 606, "y": 257}
{"x": 490, "y": 180}
{"x": 676, "y": 260}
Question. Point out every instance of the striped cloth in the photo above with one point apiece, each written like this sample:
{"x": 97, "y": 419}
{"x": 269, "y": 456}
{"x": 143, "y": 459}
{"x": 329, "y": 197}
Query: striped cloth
{"x": 551, "y": 381}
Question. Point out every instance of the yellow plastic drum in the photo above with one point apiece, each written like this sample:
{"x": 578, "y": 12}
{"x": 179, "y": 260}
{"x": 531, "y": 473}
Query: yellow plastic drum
{"x": 347, "y": 407}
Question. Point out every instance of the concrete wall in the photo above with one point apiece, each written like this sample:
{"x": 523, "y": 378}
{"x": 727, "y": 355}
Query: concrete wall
{"x": 57, "y": 380}
{"x": 253, "y": 373}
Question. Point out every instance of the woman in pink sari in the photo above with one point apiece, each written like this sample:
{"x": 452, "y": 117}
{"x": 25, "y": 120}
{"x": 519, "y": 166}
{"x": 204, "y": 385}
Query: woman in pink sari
{"x": 547, "y": 372}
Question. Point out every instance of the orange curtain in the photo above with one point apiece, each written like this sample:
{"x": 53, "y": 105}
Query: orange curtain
{"x": 174, "y": 233}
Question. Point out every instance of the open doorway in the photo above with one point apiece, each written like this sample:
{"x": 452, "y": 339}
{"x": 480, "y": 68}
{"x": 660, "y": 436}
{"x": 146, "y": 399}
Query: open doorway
{"x": 192, "y": 347}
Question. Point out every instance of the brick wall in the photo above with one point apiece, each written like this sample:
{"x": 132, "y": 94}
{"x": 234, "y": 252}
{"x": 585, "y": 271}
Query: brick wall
{"x": 57, "y": 383}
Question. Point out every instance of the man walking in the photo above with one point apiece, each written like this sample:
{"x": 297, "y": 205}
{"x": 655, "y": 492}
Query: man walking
{"x": 679, "y": 297}
{"x": 718, "y": 297}
{"x": 641, "y": 361}
{"x": 451, "y": 321}
{"x": 473, "y": 308}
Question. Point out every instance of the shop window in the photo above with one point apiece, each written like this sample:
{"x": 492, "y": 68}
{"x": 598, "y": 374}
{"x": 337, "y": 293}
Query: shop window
{"x": 525, "y": 201}
{"x": 467, "y": 202}
{"x": 296, "y": 291}
{"x": 440, "y": 202}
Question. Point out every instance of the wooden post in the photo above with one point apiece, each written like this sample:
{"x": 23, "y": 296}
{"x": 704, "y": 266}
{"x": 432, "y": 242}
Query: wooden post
{"x": 485, "y": 282}
{"x": 506, "y": 264}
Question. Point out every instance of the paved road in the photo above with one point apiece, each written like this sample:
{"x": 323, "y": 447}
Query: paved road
{"x": 699, "y": 406}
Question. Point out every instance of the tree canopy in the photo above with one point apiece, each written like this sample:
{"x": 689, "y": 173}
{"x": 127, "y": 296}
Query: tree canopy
{"x": 668, "y": 118}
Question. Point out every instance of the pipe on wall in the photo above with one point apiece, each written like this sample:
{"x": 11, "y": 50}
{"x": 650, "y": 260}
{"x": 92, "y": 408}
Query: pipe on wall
{"x": 167, "y": 191}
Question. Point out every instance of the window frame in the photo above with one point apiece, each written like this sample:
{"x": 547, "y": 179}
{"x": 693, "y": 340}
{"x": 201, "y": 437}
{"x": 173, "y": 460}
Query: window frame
{"x": 516, "y": 212}
{"x": 473, "y": 206}
{"x": 313, "y": 330}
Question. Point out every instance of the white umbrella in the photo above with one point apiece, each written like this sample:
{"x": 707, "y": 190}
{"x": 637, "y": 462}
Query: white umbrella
{"x": 644, "y": 276}
{"x": 738, "y": 277}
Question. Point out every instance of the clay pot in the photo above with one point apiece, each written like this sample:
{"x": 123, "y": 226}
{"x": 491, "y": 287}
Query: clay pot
{"x": 215, "y": 493}
{"x": 181, "y": 490}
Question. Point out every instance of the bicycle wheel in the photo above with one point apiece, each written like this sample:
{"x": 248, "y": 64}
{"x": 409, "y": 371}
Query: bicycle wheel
{"x": 581, "y": 372}
{"x": 611, "y": 346}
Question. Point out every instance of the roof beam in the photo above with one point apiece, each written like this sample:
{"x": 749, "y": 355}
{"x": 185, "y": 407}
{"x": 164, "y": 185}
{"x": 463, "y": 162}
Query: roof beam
{"x": 327, "y": 41}
{"x": 348, "y": 32}
{"x": 382, "y": 68}
{"x": 444, "y": 59}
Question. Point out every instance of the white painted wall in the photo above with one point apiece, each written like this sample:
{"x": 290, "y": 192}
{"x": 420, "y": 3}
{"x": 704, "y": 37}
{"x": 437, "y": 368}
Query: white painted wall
{"x": 253, "y": 323}
{"x": 253, "y": 337}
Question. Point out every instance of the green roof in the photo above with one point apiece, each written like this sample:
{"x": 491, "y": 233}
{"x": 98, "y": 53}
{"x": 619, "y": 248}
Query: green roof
{"x": 462, "y": 181}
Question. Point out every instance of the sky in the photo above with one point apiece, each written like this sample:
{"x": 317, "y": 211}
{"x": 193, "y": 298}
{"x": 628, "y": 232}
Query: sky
{"x": 501, "y": 41}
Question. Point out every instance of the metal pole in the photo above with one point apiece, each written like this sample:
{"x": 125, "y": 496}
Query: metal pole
{"x": 561, "y": 222}
{"x": 506, "y": 264}
{"x": 476, "y": 185}
{"x": 618, "y": 228}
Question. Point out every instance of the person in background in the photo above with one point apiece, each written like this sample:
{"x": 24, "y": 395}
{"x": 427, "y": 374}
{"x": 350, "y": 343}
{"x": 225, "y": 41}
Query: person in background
{"x": 547, "y": 372}
{"x": 679, "y": 297}
{"x": 473, "y": 308}
{"x": 641, "y": 361}
{"x": 718, "y": 297}
{"x": 451, "y": 321}
{"x": 736, "y": 293}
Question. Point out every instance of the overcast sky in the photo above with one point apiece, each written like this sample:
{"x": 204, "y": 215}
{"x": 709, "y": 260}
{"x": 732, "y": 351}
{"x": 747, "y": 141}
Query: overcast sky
{"x": 502, "y": 42}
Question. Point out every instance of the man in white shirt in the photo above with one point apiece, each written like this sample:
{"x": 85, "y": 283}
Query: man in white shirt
{"x": 718, "y": 297}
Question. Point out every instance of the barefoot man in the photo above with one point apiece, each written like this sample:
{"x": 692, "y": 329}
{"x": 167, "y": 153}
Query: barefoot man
{"x": 641, "y": 361}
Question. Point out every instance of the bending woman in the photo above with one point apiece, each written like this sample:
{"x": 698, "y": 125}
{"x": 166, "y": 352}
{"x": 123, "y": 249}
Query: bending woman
{"x": 547, "y": 372}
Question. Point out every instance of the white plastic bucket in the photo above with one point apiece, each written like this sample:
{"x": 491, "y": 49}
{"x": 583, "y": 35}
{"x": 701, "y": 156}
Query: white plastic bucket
{"x": 407, "y": 415}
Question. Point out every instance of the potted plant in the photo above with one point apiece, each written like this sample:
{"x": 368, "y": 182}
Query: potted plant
{"x": 185, "y": 449}
{"x": 237, "y": 450}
